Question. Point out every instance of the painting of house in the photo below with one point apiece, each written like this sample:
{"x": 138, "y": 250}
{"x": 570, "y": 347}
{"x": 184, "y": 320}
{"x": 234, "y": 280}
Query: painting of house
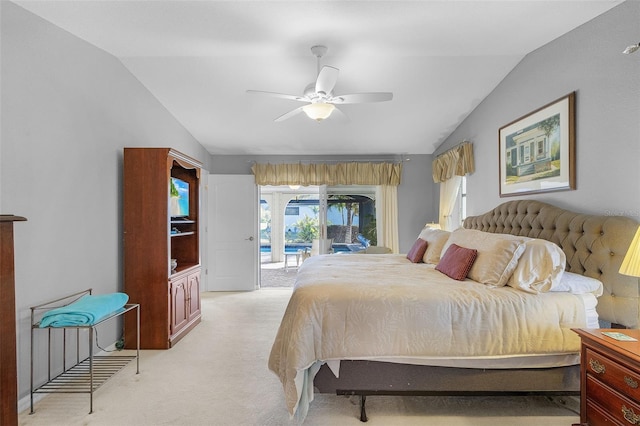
{"x": 529, "y": 151}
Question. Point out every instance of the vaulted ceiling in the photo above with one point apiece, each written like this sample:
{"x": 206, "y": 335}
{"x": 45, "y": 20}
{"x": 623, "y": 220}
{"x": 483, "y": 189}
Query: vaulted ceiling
{"x": 440, "y": 59}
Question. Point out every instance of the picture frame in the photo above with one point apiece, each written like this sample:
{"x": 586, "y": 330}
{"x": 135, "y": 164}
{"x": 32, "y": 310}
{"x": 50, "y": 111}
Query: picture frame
{"x": 536, "y": 152}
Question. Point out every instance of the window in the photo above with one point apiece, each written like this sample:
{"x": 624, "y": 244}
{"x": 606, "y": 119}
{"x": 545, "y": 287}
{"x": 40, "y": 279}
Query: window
{"x": 541, "y": 148}
{"x": 459, "y": 212}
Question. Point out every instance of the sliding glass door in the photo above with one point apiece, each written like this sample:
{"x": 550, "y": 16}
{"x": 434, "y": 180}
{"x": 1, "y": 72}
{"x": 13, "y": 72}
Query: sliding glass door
{"x": 318, "y": 219}
{"x": 351, "y": 217}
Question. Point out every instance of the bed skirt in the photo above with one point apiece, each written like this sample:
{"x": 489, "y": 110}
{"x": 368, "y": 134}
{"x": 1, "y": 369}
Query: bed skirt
{"x": 366, "y": 378}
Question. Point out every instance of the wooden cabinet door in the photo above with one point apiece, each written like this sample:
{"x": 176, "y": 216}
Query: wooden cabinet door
{"x": 179, "y": 297}
{"x": 194, "y": 296}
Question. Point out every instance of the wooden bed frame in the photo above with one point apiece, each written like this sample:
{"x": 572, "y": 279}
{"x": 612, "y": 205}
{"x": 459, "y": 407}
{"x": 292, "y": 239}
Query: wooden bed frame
{"x": 594, "y": 246}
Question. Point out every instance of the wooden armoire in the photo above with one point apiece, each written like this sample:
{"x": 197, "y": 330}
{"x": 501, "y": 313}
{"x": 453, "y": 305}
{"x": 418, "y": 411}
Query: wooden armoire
{"x": 155, "y": 234}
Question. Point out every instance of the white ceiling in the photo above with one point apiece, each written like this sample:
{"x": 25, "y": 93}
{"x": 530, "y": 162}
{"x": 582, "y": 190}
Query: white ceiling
{"x": 439, "y": 58}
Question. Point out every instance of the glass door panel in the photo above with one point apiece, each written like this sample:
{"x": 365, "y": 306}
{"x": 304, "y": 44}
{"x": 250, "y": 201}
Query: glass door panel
{"x": 351, "y": 217}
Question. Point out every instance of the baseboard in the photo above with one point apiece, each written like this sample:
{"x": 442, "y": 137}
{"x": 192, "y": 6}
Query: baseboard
{"x": 24, "y": 403}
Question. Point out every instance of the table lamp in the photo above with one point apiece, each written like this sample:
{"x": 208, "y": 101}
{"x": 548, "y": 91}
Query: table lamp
{"x": 631, "y": 263}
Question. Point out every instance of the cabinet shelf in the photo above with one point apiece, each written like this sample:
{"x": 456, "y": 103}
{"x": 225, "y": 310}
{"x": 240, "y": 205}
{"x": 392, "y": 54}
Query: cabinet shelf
{"x": 181, "y": 234}
{"x": 181, "y": 269}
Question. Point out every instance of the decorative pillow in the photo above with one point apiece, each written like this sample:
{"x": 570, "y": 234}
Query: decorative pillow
{"x": 540, "y": 267}
{"x": 417, "y": 251}
{"x": 498, "y": 254}
{"x": 579, "y": 284}
{"x": 436, "y": 239}
{"x": 456, "y": 262}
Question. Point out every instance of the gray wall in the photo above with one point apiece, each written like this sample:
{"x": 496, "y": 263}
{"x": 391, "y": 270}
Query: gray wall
{"x": 589, "y": 61}
{"x": 68, "y": 109}
{"x": 415, "y": 193}
{"x": 415, "y": 200}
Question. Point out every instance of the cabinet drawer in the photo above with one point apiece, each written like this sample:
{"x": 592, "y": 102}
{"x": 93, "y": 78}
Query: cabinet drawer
{"x": 613, "y": 374}
{"x": 622, "y": 409}
{"x": 597, "y": 417}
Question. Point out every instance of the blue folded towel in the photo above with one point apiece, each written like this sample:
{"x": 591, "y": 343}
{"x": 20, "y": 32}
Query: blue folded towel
{"x": 85, "y": 311}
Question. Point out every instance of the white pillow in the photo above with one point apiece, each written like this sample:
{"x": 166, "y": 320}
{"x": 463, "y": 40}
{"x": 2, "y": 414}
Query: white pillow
{"x": 579, "y": 284}
{"x": 539, "y": 268}
{"x": 498, "y": 254}
{"x": 436, "y": 239}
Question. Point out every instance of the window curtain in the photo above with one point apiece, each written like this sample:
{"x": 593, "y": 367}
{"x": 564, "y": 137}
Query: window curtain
{"x": 448, "y": 169}
{"x": 387, "y": 226}
{"x": 328, "y": 174}
{"x": 448, "y": 196}
{"x": 457, "y": 161}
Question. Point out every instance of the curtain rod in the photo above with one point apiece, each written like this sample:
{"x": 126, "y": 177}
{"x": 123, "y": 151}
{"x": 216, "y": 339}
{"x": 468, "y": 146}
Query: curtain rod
{"x": 360, "y": 160}
{"x": 453, "y": 147}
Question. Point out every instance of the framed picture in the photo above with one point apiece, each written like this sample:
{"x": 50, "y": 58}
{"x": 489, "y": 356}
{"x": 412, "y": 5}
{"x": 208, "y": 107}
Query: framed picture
{"x": 537, "y": 152}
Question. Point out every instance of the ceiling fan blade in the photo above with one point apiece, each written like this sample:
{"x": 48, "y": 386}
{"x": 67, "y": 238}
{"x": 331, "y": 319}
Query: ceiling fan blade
{"x": 289, "y": 114}
{"x": 358, "y": 98}
{"x": 327, "y": 79}
{"x": 279, "y": 95}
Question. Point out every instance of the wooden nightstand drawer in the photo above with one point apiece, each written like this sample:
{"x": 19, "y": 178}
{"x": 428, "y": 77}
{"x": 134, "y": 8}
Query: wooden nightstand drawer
{"x": 620, "y": 378}
{"x": 598, "y": 417}
{"x": 623, "y": 410}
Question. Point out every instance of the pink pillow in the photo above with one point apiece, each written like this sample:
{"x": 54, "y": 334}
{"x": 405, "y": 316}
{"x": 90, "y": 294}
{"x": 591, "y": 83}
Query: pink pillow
{"x": 417, "y": 251}
{"x": 457, "y": 261}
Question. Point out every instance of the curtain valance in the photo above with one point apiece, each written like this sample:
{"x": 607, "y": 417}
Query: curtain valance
{"x": 457, "y": 161}
{"x": 328, "y": 174}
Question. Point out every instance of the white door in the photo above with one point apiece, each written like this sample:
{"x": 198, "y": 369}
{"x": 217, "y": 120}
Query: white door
{"x": 233, "y": 233}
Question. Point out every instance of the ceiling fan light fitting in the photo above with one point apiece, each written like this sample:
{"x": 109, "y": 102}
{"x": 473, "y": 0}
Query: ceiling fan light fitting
{"x": 318, "y": 111}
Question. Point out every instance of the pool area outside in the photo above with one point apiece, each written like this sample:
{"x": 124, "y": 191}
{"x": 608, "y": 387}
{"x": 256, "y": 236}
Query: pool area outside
{"x": 337, "y": 247}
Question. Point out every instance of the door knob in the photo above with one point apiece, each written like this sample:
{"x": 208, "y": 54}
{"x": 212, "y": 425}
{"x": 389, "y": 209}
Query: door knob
{"x": 250, "y": 239}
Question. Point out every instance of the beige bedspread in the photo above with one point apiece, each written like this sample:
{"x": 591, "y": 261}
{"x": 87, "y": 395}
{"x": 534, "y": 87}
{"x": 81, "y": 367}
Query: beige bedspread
{"x": 368, "y": 306}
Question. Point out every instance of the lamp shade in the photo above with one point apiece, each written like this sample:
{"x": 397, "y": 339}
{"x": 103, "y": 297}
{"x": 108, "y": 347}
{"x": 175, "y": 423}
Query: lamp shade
{"x": 318, "y": 111}
{"x": 631, "y": 263}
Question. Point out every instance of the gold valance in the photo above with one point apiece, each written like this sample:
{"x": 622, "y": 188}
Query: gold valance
{"x": 328, "y": 174}
{"x": 456, "y": 161}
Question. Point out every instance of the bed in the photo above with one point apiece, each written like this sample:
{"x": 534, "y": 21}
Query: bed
{"x": 385, "y": 324}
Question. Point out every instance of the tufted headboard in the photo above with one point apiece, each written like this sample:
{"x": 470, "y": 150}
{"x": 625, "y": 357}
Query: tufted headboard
{"x": 594, "y": 245}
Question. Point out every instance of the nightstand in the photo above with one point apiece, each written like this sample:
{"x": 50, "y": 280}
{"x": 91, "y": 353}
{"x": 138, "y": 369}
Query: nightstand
{"x": 609, "y": 378}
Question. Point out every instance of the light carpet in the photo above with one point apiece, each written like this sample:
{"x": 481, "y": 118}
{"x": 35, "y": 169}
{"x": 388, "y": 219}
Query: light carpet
{"x": 274, "y": 276}
{"x": 217, "y": 375}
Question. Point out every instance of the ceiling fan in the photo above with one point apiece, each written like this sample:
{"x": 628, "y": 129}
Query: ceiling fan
{"x": 321, "y": 101}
